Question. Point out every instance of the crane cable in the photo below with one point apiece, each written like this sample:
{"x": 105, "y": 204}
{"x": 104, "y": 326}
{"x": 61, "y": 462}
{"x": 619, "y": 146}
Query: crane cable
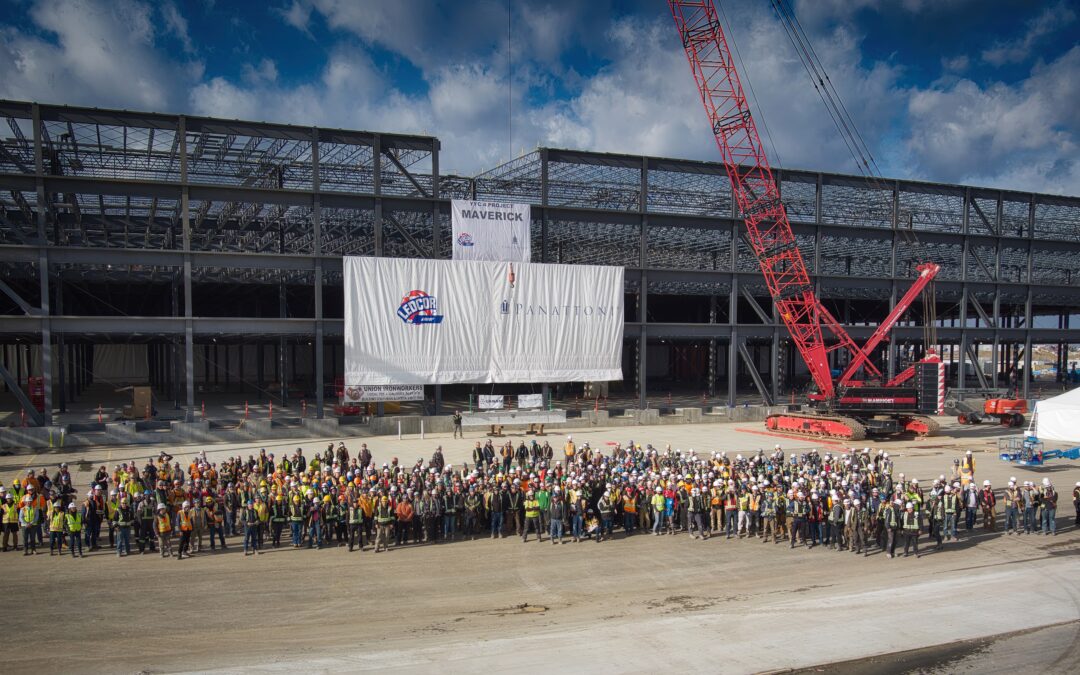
{"x": 849, "y": 132}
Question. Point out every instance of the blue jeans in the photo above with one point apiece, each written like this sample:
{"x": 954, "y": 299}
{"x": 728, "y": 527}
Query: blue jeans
{"x": 577, "y": 523}
{"x": 251, "y": 538}
{"x": 123, "y": 540}
{"x": 969, "y": 518}
{"x": 313, "y": 536}
{"x": 658, "y": 521}
{"x": 496, "y": 522}
{"x": 629, "y": 522}
{"x": 1029, "y": 519}
{"x": 556, "y": 530}
{"x": 950, "y": 525}
{"x": 56, "y": 540}
{"x": 230, "y": 521}
{"x": 1012, "y": 519}
{"x": 448, "y": 521}
{"x": 220, "y": 532}
{"x": 731, "y": 519}
{"x": 607, "y": 525}
{"x": 75, "y": 542}
{"x": 297, "y": 529}
{"x": 1048, "y": 518}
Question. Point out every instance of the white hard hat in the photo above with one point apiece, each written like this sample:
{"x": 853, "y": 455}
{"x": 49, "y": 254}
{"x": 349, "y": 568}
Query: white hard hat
{"x": 909, "y": 505}
{"x": 986, "y": 482}
{"x": 1046, "y": 481}
{"x": 187, "y": 504}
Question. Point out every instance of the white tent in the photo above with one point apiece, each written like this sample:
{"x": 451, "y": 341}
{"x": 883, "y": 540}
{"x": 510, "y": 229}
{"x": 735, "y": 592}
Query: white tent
{"x": 1058, "y": 418}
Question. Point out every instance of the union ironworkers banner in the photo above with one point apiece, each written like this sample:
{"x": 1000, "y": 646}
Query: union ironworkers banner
{"x": 497, "y": 231}
{"x": 413, "y": 321}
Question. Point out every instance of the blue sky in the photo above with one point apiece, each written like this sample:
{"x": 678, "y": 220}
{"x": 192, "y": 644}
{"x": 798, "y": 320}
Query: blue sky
{"x": 971, "y": 91}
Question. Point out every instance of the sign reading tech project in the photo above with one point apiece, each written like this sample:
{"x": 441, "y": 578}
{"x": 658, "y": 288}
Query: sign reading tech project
{"x": 490, "y": 230}
{"x": 440, "y": 322}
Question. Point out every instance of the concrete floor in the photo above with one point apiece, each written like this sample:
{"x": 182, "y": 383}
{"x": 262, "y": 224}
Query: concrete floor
{"x": 634, "y": 605}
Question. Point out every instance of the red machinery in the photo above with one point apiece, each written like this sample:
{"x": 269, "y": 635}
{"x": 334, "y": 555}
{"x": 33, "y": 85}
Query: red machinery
{"x": 1008, "y": 412}
{"x": 849, "y": 408}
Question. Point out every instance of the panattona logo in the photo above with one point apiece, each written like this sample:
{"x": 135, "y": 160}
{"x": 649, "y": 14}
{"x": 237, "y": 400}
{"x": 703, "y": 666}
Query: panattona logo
{"x": 507, "y": 308}
{"x": 419, "y": 307}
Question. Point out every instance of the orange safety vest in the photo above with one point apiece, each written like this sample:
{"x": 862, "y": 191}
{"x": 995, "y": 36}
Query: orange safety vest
{"x": 185, "y": 521}
{"x": 164, "y": 524}
{"x": 629, "y": 505}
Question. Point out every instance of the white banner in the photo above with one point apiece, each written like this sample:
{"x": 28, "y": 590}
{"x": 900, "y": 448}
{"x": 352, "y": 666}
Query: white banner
{"x": 530, "y": 401}
{"x": 497, "y": 231}
{"x": 413, "y": 321}
{"x": 383, "y": 392}
{"x": 491, "y": 402}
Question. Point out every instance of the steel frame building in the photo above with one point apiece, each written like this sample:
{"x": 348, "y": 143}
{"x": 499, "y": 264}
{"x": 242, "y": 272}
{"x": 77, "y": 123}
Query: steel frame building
{"x": 183, "y": 232}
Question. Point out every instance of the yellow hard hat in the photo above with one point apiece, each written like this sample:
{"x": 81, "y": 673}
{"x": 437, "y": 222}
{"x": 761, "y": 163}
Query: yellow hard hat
{"x": 326, "y": 499}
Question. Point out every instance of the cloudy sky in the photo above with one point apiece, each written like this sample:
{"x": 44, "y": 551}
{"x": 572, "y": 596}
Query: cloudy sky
{"x": 975, "y": 91}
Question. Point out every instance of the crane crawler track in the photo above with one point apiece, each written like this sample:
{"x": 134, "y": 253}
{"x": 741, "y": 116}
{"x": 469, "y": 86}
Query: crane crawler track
{"x": 817, "y": 426}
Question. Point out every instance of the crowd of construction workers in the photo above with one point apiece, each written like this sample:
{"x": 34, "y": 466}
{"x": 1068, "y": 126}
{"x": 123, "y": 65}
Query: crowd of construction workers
{"x": 848, "y": 501}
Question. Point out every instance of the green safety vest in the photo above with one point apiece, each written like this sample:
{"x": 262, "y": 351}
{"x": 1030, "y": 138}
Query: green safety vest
{"x": 74, "y": 522}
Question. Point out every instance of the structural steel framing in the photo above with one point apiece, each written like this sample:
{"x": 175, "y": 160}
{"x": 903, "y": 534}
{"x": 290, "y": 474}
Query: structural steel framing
{"x": 173, "y": 230}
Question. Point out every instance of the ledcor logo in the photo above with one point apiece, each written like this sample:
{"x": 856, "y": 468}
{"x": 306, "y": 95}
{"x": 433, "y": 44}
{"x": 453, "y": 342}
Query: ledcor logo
{"x": 419, "y": 307}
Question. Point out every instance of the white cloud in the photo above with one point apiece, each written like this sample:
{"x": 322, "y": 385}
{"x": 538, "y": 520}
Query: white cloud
{"x": 1020, "y": 136}
{"x": 298, "y": 15}
{"x": 176, "y": 24}
{"x": 956, "y": 64}
{"x": 265, "y": 71}
{"x": 91, "y": 52}
{"x": 1048, "y": 21}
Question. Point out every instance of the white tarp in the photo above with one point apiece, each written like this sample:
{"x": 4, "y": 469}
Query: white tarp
{"x": 413, "y": 321}
{"x": 491, "y": 402}
{"x": 497, "y": 231}
{"x": 385, "y": 392}
{"x": 1058, "y": 418}
{"x": 526, "y": 401}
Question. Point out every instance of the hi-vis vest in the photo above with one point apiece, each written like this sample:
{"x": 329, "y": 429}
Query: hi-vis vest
{"x": 74, "y": 522}
{"x": 164, "y": 524}
{"x": 185, "y": 521}
{"x": 56, "y": 523}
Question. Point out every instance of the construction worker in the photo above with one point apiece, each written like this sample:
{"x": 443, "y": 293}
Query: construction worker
{"x": 57, "y": 523}
{"x": 935, "y": 509}
{"x": 659, "y": 507}
{"x": 987, "y": 501}
{"x": 384, "y": 520}
{"x": 200, "y": 524}
{"x": 1012, "y": 500}
{"x": 967, "y": 467}
{"x": 279, "y": 515}
{"x": 556, "y": 517}
{"x": 216, "y": 520}
{"x": 185, "y": 523}
{"x": 799, "y": 509}
{"x": 403, "y": 517}
{"x": 314, "y": 523}
{"x": 123, "y": 519}
{"x": 1076, "y": 503}
{"x": 29, "y": 519}
{"x": 768, "y": 516}
{"x": 1049, "y": 508}
{"x": 248, "y": 518}
{"x": 910, "y": 525}
{"x": 697, "y": 507}
{"x": 951, "y": 505}
{"x": 857, "y": 521}
{"x": 892, "y": 524}
{"x": 532, "y": 517}
{"x": 144, "y": 524}
{"x": 297, "y": 516}
{"x": 9, "y": 520}
{"x": 73, "y": 525}
{"x": 163, "y": 526}
{"x": 356, "y": 527}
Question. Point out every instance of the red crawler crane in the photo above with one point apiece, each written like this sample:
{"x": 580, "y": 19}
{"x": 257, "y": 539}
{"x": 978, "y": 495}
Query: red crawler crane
{"x": 848, "y": 408}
